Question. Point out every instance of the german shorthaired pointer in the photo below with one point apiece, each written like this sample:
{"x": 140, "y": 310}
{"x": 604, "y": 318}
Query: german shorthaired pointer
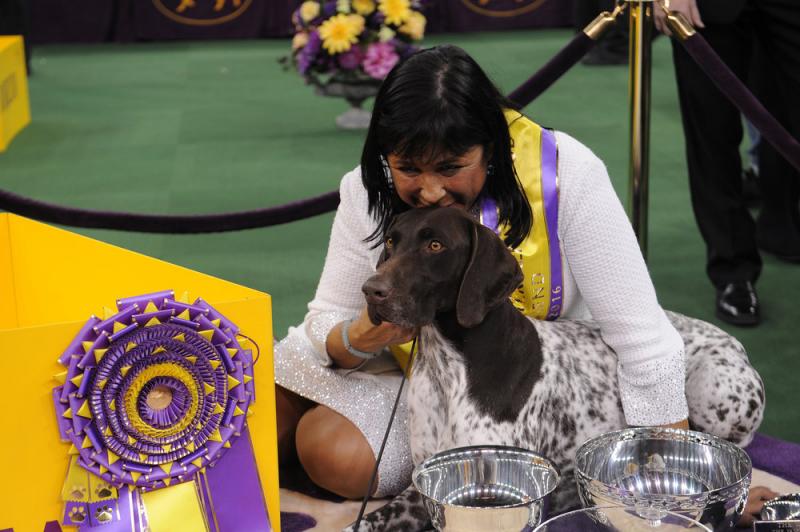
{"x": 486, "y": 374}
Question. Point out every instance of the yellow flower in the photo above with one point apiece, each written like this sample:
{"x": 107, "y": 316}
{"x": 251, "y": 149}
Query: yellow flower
{"x": 339, "y": 33}
{"x": 358, "y": 23}
{"x": 363, "y": 7}
{"x": 396, "y": 11}
{"x": 414, "y": 26}
{"x": 343, "y": 6}
{"x": 309, "y": 10}
{"x": 299, "y": 40}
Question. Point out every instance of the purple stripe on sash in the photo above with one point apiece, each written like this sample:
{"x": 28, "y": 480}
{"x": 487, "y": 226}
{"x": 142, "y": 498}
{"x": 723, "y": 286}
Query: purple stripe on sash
{"x": 489, "y": 214}
{"x": 235, "y": 489}
{"x": 550, "y": 201}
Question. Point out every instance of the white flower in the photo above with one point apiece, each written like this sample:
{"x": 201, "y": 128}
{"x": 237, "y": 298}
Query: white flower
{"x": 343, "y": 6}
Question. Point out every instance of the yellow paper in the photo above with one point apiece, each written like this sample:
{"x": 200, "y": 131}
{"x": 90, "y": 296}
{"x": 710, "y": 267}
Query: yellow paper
{"x": 175, "y": 509}
{"x": 50, "y": 283}
{"x": 15, "y": 112}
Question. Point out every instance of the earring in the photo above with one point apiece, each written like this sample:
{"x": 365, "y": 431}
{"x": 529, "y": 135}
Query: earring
{"x": 489, "y": 170}
{"x": 387, "y": 173}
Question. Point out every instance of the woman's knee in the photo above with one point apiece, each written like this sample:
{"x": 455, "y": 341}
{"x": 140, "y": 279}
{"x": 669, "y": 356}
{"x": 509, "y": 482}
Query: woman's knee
{"x": 334, "y": 452}
{"x": 289, "y": 409}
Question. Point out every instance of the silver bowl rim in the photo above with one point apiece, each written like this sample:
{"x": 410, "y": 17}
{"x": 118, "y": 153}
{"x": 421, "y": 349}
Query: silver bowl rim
{"x": 442, "y": 456}
{"x": 551, "y": 520}
{"x": 639, "y": 433}
{"x": 780, "y": 498}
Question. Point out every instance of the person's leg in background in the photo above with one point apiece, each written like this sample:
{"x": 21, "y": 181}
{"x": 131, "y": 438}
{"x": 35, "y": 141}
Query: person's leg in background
{"x": 777, "y": 25}
{"x": 713, "y": 132}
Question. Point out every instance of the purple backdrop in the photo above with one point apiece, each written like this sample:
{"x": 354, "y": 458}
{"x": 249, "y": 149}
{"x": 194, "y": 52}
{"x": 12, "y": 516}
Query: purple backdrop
{"x": 159, "y": 20}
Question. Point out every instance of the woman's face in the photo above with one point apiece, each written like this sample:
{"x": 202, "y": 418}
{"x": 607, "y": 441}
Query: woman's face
{"x": 447, "y": 181}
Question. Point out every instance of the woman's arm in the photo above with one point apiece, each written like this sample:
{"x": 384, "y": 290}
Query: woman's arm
{"x": 349, "y": 263}
{"x": 604, "y": 258}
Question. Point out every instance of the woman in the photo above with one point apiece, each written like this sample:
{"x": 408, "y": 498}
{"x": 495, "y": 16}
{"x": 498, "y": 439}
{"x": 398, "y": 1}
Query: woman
{"x": 442, "y": 135}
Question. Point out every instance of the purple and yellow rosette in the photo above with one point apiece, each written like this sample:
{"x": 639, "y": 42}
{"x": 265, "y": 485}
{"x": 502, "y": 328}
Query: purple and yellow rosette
{"x": 154, "y": 395}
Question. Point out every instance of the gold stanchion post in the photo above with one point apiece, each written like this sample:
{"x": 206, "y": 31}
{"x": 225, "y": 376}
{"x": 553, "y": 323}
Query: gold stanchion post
{"x": 640, "y": 13}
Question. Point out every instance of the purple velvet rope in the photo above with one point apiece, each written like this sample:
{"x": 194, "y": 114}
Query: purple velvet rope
{"x": 727, "y": 82}
{"x": 183, "y": 224}
{"x": 565, "y": 59}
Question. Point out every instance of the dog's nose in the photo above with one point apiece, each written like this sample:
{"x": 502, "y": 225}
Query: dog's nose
{"x": 376, "y": 289}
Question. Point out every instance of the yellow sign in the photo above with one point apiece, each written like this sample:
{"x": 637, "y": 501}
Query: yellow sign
{"x": 207, "y": 13}
{"x": 502, "y": 8}
{"x": 15, "y": 111}
{"x": 51, "y": 280}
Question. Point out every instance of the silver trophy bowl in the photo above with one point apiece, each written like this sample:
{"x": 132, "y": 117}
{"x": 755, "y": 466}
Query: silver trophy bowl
{"x": 783, "y": 508}
{"x": 617, "y": 519}
{"x": 482, "y": 488}
{"x": 655, "y": 470}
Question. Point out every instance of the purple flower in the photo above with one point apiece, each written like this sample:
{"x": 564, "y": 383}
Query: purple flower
{"x": 328, "y": 9}
{"x": 306, "y": 56}
{"x": 380, "y": 59}
{"x": 351, "y": 59}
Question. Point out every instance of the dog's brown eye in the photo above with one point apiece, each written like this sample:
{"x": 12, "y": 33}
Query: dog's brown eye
{"x": 435, "y": 245}
{"x": 389, "y": 243}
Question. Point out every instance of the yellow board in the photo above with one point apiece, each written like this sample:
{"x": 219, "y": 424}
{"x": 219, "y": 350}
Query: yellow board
{"x": 51, "y": 281}
{"x": 15, "y": 111}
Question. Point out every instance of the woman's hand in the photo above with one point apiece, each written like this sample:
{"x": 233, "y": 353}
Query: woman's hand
{"x": 683, "y": 424}
{"x": 364, "y": 336}
{"x": 688, "y": 8}
{"x": 756, "y": 498}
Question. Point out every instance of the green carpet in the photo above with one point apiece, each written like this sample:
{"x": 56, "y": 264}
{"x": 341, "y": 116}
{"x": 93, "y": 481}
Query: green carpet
{"x": 209, "y": 127}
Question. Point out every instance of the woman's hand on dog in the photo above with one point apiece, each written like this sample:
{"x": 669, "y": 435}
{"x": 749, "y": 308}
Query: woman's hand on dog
{"x": 365, "y": 336}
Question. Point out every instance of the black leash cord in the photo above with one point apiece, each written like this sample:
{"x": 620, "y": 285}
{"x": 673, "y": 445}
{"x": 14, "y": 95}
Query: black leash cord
{"x": 385, "y": 437}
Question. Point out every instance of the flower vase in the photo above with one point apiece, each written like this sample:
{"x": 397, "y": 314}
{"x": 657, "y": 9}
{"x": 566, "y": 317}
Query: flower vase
{"x": 356, "y": 93}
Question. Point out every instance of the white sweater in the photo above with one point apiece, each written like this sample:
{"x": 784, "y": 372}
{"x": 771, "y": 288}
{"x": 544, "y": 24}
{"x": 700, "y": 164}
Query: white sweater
{"x": 605, "y": 280}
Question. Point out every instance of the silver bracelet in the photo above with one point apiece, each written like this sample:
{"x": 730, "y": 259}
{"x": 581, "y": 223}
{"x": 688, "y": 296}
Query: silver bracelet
{"x": 350, "y": 349}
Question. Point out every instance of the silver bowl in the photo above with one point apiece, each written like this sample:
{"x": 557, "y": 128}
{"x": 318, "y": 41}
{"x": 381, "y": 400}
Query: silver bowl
{"x": 481, "y": 488}
{"x": 783, "y": 508}
{"x": 617, "y": 519}
{"x": 655, "y": 470}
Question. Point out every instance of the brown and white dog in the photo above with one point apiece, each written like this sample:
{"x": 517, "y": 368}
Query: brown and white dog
{"x": 486, "y": 374}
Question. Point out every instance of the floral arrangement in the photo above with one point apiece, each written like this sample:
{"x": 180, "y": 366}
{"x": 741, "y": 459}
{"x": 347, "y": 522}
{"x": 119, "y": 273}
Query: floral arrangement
{"x": 354, "y": 40}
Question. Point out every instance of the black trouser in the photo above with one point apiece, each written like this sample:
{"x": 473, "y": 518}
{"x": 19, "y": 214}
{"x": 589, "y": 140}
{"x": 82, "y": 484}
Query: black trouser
{"x": 713, "y": 131}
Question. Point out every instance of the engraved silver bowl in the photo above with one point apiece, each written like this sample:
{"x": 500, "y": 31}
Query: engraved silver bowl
{"x": 617, "y": 519}
{"x": 782, "y": 508}
{"x": 482, "y": 488}
{"x": 655, "y": 470}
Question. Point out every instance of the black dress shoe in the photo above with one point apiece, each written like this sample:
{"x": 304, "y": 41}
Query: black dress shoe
{"x": 737, "y": 304}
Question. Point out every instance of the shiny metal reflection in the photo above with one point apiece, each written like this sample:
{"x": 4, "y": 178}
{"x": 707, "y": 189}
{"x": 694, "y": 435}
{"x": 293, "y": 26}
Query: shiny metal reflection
{"x": 481, "y": 488}
{"x": 783, "y": 508}
{"x": 618, "y": 519}
{"x": 655, "y": 470}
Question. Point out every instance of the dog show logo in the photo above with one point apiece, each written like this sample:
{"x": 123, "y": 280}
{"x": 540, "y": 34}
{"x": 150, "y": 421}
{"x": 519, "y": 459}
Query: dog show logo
{"x": 202, "y": 12}
{"x": 502, "y": 8}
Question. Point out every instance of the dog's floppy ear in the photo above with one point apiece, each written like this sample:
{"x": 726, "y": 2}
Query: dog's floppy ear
{"x": 491, "y": 276}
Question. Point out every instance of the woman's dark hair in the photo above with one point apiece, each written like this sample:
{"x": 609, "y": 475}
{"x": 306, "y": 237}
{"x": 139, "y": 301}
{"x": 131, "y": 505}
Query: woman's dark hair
{"x": 439, "y": 101}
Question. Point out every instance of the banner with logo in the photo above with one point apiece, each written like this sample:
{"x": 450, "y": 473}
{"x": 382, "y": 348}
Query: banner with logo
{"x": 494, "y": 15}
{"x": 191, "y": 19}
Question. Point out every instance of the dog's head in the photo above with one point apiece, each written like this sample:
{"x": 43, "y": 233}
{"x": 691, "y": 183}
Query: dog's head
{"x": 439, "y": 260}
